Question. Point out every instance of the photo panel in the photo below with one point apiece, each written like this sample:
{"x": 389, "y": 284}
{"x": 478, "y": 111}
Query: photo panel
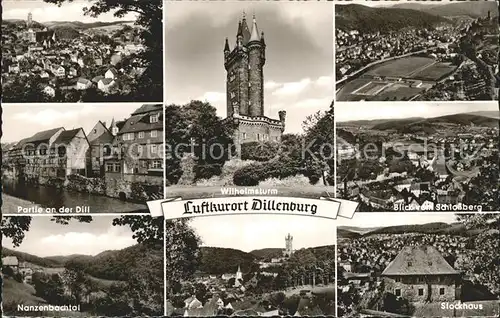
{"x": 249, "y": 90}
{"x": 82, "y": 266}
{"x": 418, "y": 265}
{"x": 416, "y": 50}
{"x": 250, "y": 265}
{"x": 81, "y": 158}
{"x": 82, "y": 51}
{"x": 420, "y": 156}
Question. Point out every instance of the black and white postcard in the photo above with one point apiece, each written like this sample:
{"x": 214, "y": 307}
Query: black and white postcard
{"x": 82, "y": 266}
{"x": 419, "y": 156}
{"x": 82, "y": 51}
{"x": 251, "y": 265}
{"x": 249, "y": 99}
{"x": 416, "y": 50}
{"x": 81, "y": 158}
{"x": 418, "y": 265}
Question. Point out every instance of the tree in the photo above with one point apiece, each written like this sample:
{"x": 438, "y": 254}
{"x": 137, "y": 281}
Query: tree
{"x": 182, "y": 252}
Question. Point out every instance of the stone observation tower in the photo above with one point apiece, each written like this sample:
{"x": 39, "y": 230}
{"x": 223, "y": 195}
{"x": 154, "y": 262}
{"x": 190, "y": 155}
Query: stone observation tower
{"x": 29, "y": 21}
{"x": 288, "y": 246}
{"x": 245, "y": 87}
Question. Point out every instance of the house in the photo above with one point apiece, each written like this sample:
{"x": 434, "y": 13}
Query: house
{"x": 106, "y": 84}
{"x": 67, "y": 154}
{"x": 83, "y": 83}
{"x": 49, "y": 90}
{"x": 142, "y": 137}
{"x": 419, "y": 274}
{"x": 12, "y": 262}
{"x": 111, "y": 73}
{"x": 44, "y": 74}
{"x": 100, "y": 144}
{"x": 58, "y": 70}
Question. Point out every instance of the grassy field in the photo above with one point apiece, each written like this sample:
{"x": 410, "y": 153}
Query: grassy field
{"x": 198, "y": 192}
{"x": 401, "y": 67}
{"x": 434, "y": 72}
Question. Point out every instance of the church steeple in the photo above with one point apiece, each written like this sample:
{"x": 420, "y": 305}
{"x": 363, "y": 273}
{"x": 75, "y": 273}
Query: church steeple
{"x": 255, "y": 31}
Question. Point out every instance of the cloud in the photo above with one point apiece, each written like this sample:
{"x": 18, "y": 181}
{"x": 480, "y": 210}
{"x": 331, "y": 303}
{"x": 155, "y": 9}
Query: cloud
{"x": 85, "y": 242}
{"x": 213, "y": 97}
{"x": 325, "y": 81}
{"x": 47, "y": 117}
{"x": 271, "y": 85}
{"x": 292, "y": 88}
{"x": 44, "y": 12}
{"x": 314, "y": 103}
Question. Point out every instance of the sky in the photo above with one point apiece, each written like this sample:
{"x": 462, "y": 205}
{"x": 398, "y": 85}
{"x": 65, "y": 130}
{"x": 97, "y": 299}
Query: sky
{"x": 47, "y": 238}
{"x": 388, "y": 3}
{"x": 35, "y": 118}
{"x": 388, "y": 110}
{"x": 376, "y": 219}
{"x": 46, "y": 12}
{"x": 257, "y": 231}
{"x": 298, "y": 74}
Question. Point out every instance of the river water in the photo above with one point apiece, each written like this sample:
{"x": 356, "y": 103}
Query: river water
{"x": 56, "y": 198}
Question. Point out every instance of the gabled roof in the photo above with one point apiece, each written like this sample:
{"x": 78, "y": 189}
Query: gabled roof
{"x": 66, "y": 136}
{"x": 148, "y": 108}
{"x": 42, "y": 135}
{"x": 106, "y": 81}
{"x": 419, "y": 260}
{"x": 10, "y": 261}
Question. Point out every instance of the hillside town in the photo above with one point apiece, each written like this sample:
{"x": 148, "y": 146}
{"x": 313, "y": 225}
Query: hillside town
{"x": 121, "y": 160}
{"x": 263, "y": 289}
{"x": 419, "y": 171}
{"x": 471, "y": 45}
{"x": 67, "y": 63}
{"x": 409, "y": 274}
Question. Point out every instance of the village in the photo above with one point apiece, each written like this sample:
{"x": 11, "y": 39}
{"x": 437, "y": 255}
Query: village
{"x": 270, "y": 286}
{"x": 408, "y": 272}
{"x": 123, "y": 159}
{"x": 432, "y": 169}
{"x": 469, "y": 45}
{"x": 67, "y": 64}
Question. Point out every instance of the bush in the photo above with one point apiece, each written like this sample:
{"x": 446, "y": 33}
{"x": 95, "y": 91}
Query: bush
{"x": 252, "y": 174}
{"x": 206, "y": 171}
{"x": 259, "y": 151}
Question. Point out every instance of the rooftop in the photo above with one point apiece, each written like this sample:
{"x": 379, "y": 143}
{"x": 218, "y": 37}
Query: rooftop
{"x": 419, "y": 260}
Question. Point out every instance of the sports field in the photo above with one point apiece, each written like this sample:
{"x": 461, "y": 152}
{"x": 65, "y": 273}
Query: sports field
{"x": 381, "y": 82}
{"x": 403, "y": 67}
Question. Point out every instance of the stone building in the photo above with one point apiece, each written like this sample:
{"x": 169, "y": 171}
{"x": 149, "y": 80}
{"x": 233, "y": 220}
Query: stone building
{"x": 245, "y": 87}
{"x": 67, "y": 155}
{"x": 100, "y": 143}
{"x": 421, "y": 274}
{"x": 35, "y": 152}
{"x": 136, "y": 161}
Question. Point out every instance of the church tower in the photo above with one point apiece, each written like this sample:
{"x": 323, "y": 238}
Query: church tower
{"x": 239, "y": 274}
{"x": 244, "y": 65}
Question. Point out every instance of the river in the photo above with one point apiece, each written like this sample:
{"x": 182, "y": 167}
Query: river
{"x": 56, "y": 198}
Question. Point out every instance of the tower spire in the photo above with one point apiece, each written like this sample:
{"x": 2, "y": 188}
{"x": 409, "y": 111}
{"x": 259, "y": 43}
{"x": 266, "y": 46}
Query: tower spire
{"x": 255, "y": 31}
{"x": 226, "y": 46}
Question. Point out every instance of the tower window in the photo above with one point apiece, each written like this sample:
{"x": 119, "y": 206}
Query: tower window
{"x": 441, "y": 291}
{"x": 244, "y": 136}
{"x": 397, "y": 292}
{"x": 420, "y": 291}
